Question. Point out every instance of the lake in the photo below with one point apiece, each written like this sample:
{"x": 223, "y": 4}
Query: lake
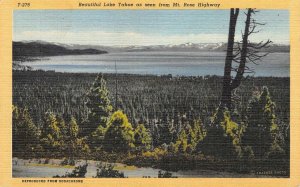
{"x": 159, "y": 63}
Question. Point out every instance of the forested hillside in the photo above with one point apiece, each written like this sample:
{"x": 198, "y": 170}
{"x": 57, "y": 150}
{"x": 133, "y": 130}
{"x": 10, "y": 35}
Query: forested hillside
{"x": 159, "y": 119}
{"x": 144, "y": 98}
{"x": 22, "y": 50}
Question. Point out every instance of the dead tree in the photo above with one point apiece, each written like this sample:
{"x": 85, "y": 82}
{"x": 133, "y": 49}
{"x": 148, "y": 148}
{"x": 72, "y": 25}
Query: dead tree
{"x": 226, "y": 93}
{"x": 242, "y": 53}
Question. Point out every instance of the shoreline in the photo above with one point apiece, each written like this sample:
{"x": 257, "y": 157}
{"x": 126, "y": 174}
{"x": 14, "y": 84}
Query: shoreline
{"x": 196, "y": 173}
{"x": 137, "y": 75}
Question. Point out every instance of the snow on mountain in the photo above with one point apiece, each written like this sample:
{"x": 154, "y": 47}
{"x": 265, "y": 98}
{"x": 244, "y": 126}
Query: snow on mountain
{"x": 189, "y": 46}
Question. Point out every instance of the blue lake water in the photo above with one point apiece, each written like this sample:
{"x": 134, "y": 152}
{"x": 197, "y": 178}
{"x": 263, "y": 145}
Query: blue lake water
{"x": 159, "y": 63}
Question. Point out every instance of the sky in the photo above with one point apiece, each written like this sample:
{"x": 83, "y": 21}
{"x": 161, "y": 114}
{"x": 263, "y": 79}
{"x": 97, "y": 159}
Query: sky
{"x": 142, "y": 27}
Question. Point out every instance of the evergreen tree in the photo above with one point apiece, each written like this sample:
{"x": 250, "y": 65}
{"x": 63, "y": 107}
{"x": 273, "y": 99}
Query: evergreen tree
{"x": 53, "y": 134}
{"x": 119, "y": 136}
{"x": 166, "y": 134}
{"x": 74, "y": 129}
{"x": 99, "y": 105}
{"x": 142, "y": 137}
{"x": 61, "y": 139}
{"x": 182, "y": 142}
{"x": 195, "y": 134}
{"x": 97, "y": 137}
{"x": 165, "y": 130}
{"x": 77, "y": 145}
{"x": 222, "y": 137}
{"x": 74, "y": 144}
{"x": 25, "y": 133}
{"x": 261, "y": 131}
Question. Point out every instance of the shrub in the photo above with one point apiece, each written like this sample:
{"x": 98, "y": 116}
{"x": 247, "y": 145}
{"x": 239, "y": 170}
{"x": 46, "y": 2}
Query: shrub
{"x": 78, "y": 172}
{"x": 155, "y": 154}
{"x": 107, "y": 171}
{"x": 165, "y": 174}
{"x": 67, "y": 161}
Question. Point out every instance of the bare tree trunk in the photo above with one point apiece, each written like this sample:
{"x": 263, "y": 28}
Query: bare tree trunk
{"x": 241, "y": 69}
{"x": 226, "y": 93}
{"x": 241, "y": 53}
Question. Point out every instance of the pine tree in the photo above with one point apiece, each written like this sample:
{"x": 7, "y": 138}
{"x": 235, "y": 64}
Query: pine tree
{"x": 71, "y": 137}
{"x": 222, "y": 138}
{"x": 166, "y": 131}
{"x": 195, "y": 134}
{"x": 73, "y": 128}
{"x": 99, "y": 105}
{"x": 261, "y": 131}
{"x": 165, "y": 134}
{"x": 53, "y": 134}
{"x": 25, "y": 133}
{"x": 182, "y": 142}
{"x": 96, "y": 139}
{"x": 119, "y": 136}
{"x": 60, "y": 138}
{"x": 142, "y": 137}
{"x": 77, "y": 145}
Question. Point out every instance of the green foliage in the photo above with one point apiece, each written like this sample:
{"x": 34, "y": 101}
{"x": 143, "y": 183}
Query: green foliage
{"x": 119, "y": 136}
{"x": 223, "y": 137}
{"x": 188, "y": 138}
{"x": 51, "y": 125}
{"x": 155, "y": 154}
{"x": 195, "y": 134}
{"x": 53, "y": 132}
{"x": 172, "y": 148}
{"x": 276, "y": 152}
{"x": 170, "y": 116}
{"x": 73, "y": 128}
{"x": 25, "y": 133}
{"x": 181, "y": 143}
{"x": 142, "y": 137}
{"x": 147, "y": 158}
{"x": 248, "y": 153}
{"x": 96, "y": 139}
{"x": 61, "y": 139}
{"x": 165, "y": 131}
{"x": 99, "y": 105}
{"x": 78, "y": 172}
{"x": 261, "y": 131}
{"x": 144, "y": 98}
{"x": 107, "y": 171}
{"x": 286, "y": 145}
{"x": 67, "y": 161}
{"x": 76, "y": 146}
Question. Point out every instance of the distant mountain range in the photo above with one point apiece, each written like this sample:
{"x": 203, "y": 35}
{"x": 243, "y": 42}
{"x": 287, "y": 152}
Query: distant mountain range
{"x": 42, "y": 48}
{"x": 193, "y": 47}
